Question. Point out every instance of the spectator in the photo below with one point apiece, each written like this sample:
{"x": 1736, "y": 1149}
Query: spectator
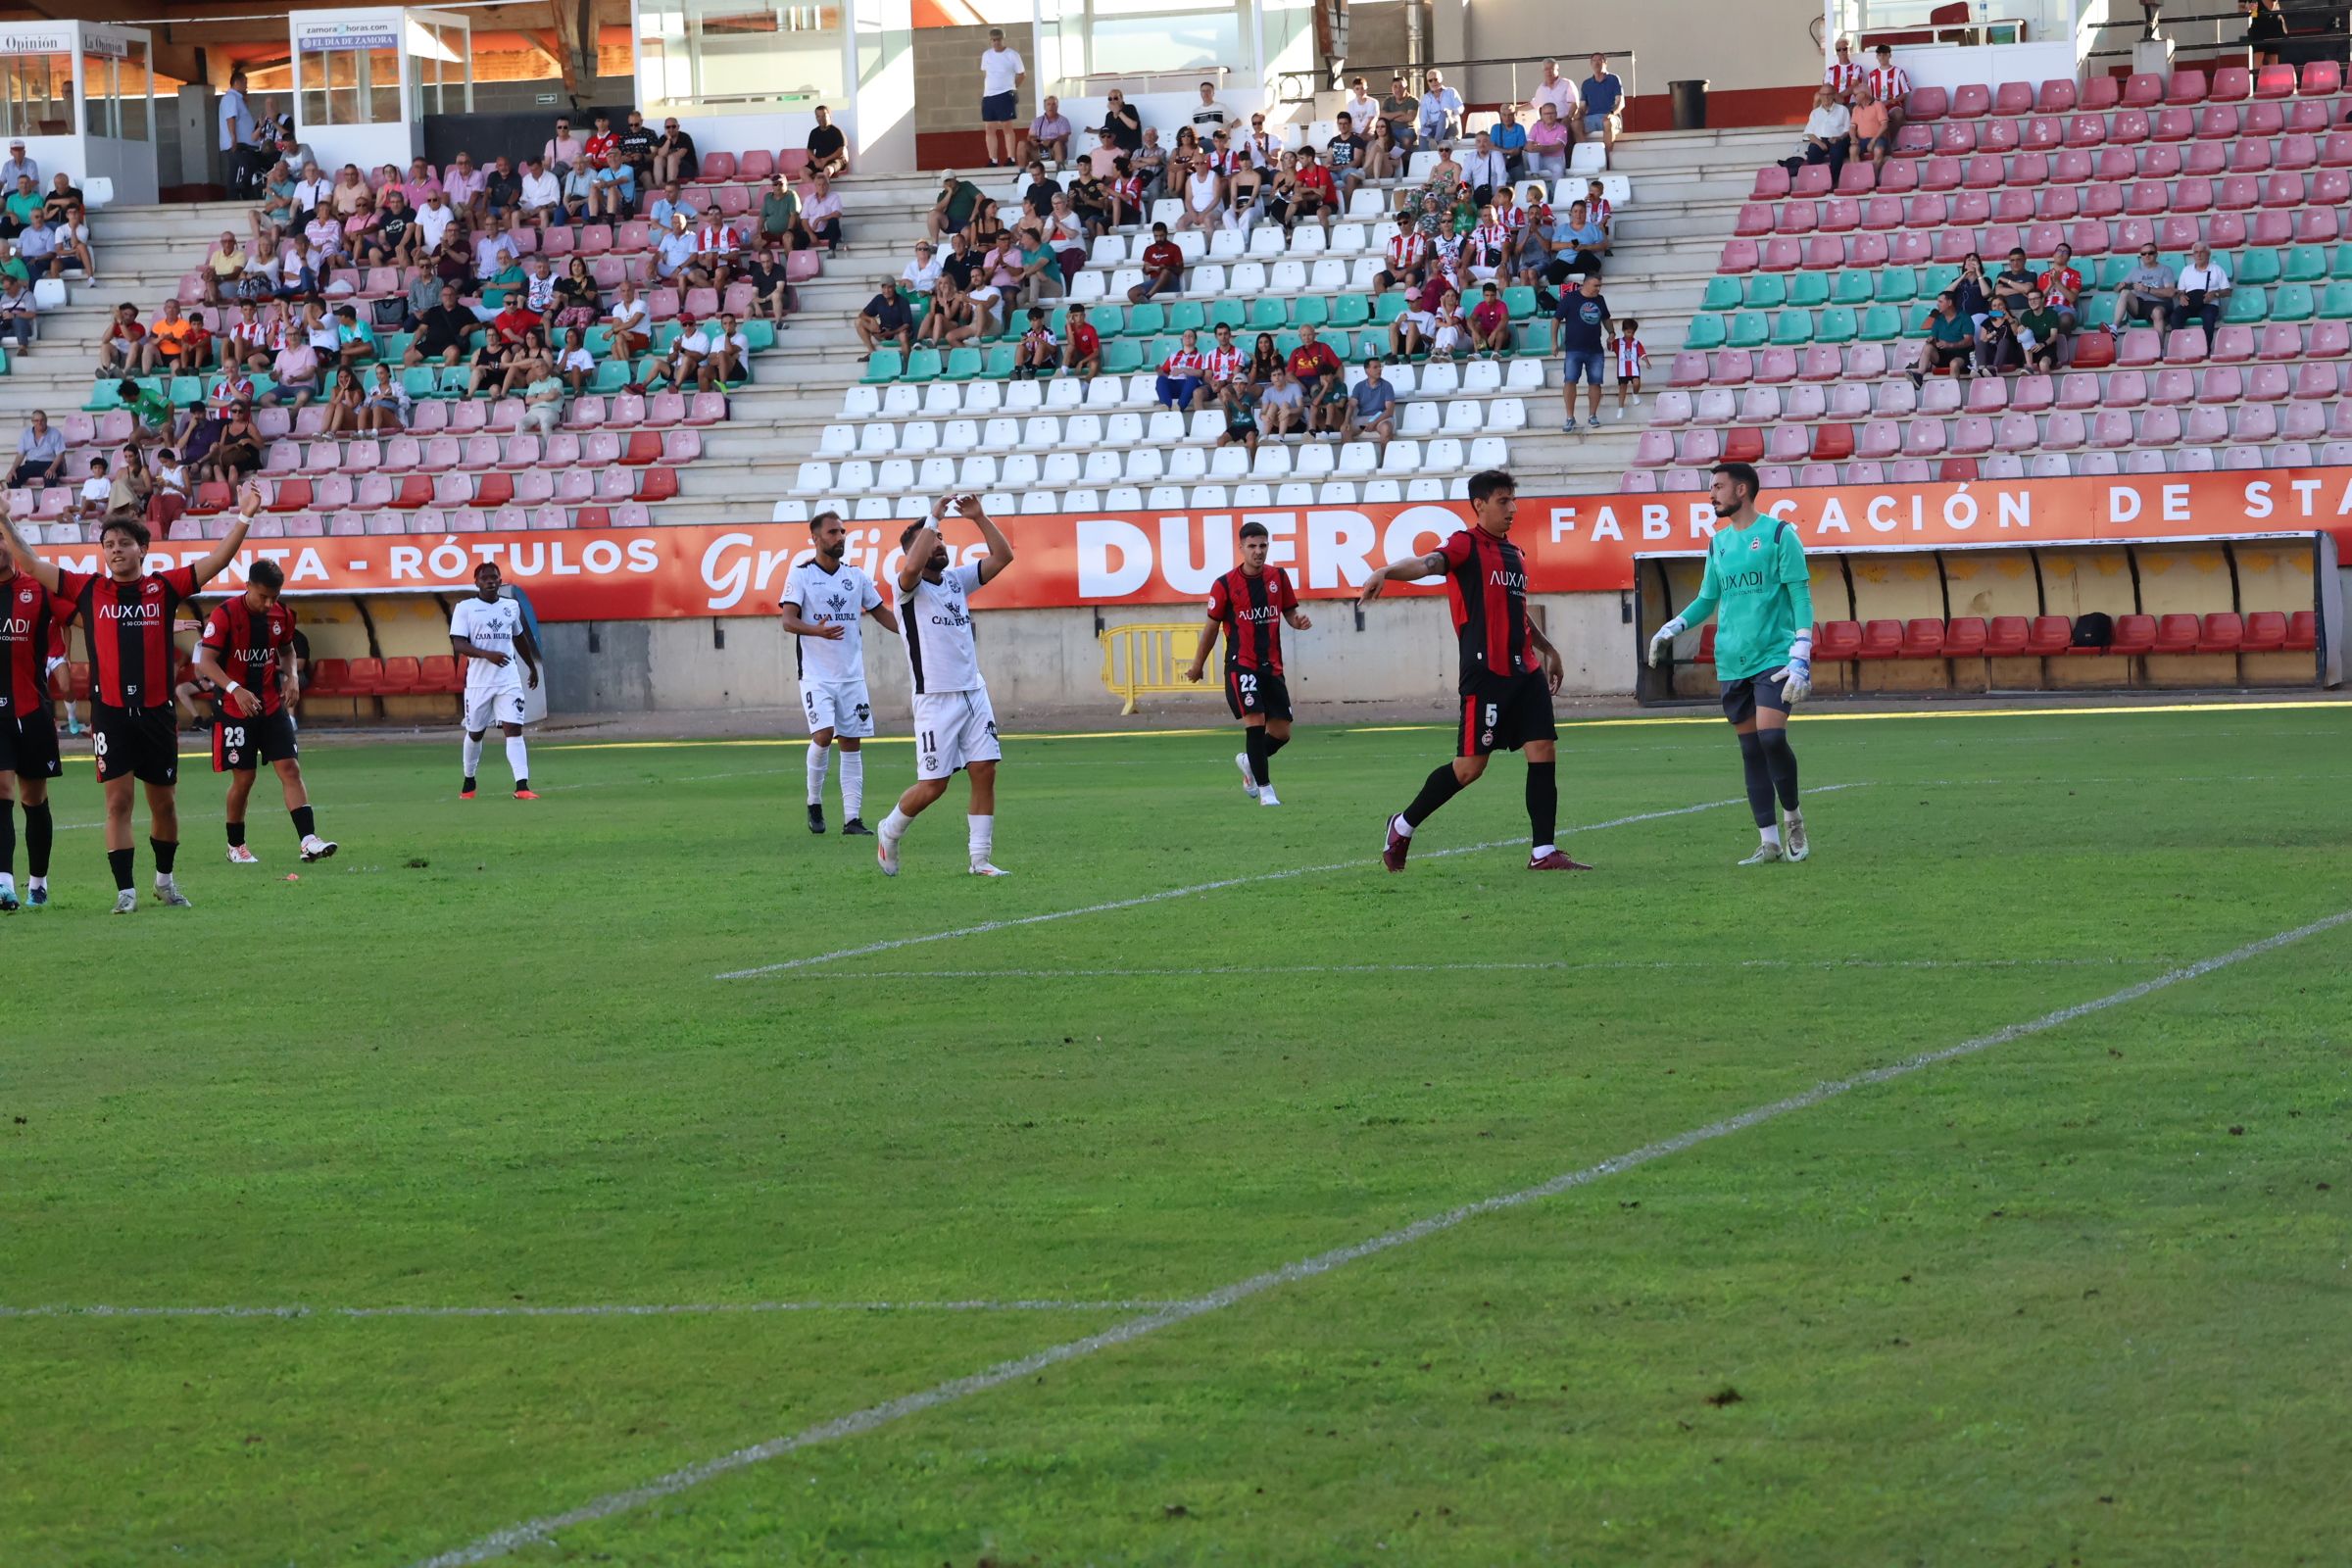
{"x": 419, "y": 184}
{"x": 2149, "y": 293}
{"x": 446, "y": 331}
{"x": 171, "y": 338}
{"x": 385, "y": 239}
{"x": 1082, "y": 349}
{"x": 1870, "y": 139}
{"x": 885, "y": 319}
{"x": 275, "y": 215}
{"x": 1066, "y": 236}
{"x": 1281, "y": 406}
{"x": 350, "y": 188}
{"x": 1316, "y": 189}
{"x": 346, "y": 403}
{"x": 1183, "y": 380}
{"x": 1407, "y": 262}
{"x": 828, "y": 148}
{"x": 821, "y": 213}
{"x": 1603, "y": 103}
{"x": 1002, "y": 72}
{"x": 1632, "y": 359}
{"x": 22, "y": 204}
{"x": 95, "y": 496}
{"x": 1360, "y": 106}
{"x": 1890, "y": 84}
{"x": 1347, "y": 154}
{"x": 1400, "y": 111}
{"x": 1580, "y": 329}
{"x": 1547, "y": 142}
{"x": 1312, "y": 362}
{"x": 64, "y": 199}
{"x": 1209, "y": 116}
{"x": 1489, "y": 323}
{"x": 386, "y": 407}
{"x": 1597, "y": 205}
{"x": 297, "y": 369}
{"x": 1951, "y": 338}
{"x": 674, "y": 252}
{"x": 633, "y": 151}
{"x": 355, "y": 342}
{"x": 2266, "y": 29}
{"x": 1243, "y": 179}
{"x": 573, "y": 363}
{"x": 39, "y": 449}
{"x": 1259, "y": 146}
{"x": 467, "y": 188}
{"x": 1972, "y": 291}
{"x": 673, "y": 153}
{"x": 2041, "y": 334}
{"x": 1040, "y": 268}
{"x": 73, "y": 244}
{"x": 953, "y": 318}
{"x": 1091, "y": 200}
{"x": 1149, "y": 165}
{"x": 1996, "y": 347}
{"x": 248, "y": 342}
{"x": 561, "y": 151}
{"x": 952, "y": 214}
{"x": 423, "y": 293}
{"x": 1828, "y": 133}
{"x": 1264, "y": 359}
{"x": 919, "y": 277}
{"x": 1577, "y": 246}
{"x": 1450, "y": 335}
{"x": 1038, "y": 350}
{"x": 167, "y": 493}
{"x": 20, "y": 313}
{"x": 612, "y": 179}
{"x": 1122, "y": 122}
{"x": 543, "y": 402}
{"x": 1844, "y": 73}
{"x": 37, "y": 247}
{"x": 241, "y": 161}
{"x": 1439, "y": 117}
{"x": 2061, "y": 287}
{"x": 716, "y": 252}
{"x": 2015, "y": 281}
{"x": 1556, "y": 93}
{"x": 495, "y": 251}
{"x": 1485, "y": 170}
{"x": 771, "y": 288}
{"x": 434, "y": 221}
{"x": 124, "y": 348}
{"x": 237, "y": 451}
{"x": 672, "y": 203}
{"x": 1203, "y": 199}
{"x": 631, "y": 322}
{"x": 2204, "y": 290}
{"x": 1510, "y": 140}
{"x": 229, "y": 389}
{"x": 1371, "y": 410}
{"x": 1050, "y": 132}
{"x": 541, "y": 199}
{"x": 19, "y": 165}
{"x": 1446, "y": 174}
{"x": 1222, "y": 363}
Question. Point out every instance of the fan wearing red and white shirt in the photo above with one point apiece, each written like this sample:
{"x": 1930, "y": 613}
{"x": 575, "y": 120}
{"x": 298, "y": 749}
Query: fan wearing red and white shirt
{"x": 1844, "y": 71}
{"x": 1182, "y": 383}
{"x": 1890, "y": 84}
{"x": 1223, "y": 362}
{"x": 714, "y": 252}
{"x": 125, "y": 614}
{"x": 247, "y": 653}
{"x": 1409, "y": 253}
{"x": 1489, "y": 247}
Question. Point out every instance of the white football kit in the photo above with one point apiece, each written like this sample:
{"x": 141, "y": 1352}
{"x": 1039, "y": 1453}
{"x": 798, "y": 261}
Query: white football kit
{"x": 833, "y": 673}
{"x": 954, "y": 725}
{"x": 493, "y": 692}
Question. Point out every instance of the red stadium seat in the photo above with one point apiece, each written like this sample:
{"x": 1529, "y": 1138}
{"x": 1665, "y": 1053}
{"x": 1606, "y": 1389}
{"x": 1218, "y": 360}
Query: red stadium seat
{"x": 2050, "y": 635}
{"x": 1966, "y": 639}
{"x": 1706, "y": 644}
{"x": 717, "y": 169}
{"x": 1922, "y": 639}
{"x": 2133, "y": 634}
{"x": 2175, "y": 634}
{"x": 438, "y": 676}
{"x": 2143, "y": 88}
{"x": 1971, "y": 102}
{"x": 1931, "y": 103}
{"x": 1881, "y": 639}
{"x": 1840, "y": 641}
{"x": 2302, "y": 627}
{"x": 366, "y": 678}
{"x": 2100, "y": 92}
{"x": 2005, "y": 638}
{"x": 330, "y": 678}
{"x": 400, "y": 678}
{"x": 2265, "y": 632}
{"x": 2221, "y": 633}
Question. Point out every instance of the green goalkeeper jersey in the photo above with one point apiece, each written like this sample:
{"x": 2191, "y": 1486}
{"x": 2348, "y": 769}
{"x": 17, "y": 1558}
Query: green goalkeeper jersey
{"x": 1760, "y": 593}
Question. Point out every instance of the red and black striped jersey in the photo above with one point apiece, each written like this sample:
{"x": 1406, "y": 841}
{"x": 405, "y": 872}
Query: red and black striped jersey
{"x": 1485, "y": 578}
{"x": 1251, "y": 609}
{"x": 128, "y": 628}
{"x": 248, "y": 644}
{"x": 31, "y": 632}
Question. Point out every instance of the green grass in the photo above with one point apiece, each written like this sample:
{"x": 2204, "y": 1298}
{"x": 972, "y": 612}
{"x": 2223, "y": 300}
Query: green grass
{"x": 2078, "y": 1298}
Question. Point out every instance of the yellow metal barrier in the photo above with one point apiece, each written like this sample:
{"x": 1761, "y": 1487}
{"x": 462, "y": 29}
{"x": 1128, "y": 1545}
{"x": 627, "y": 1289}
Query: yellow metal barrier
{"x": 1148, "y": 659}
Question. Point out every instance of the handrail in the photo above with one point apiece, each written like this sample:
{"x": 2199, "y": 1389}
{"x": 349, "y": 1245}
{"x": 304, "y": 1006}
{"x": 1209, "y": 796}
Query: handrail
{"x": 1336, "y": 80}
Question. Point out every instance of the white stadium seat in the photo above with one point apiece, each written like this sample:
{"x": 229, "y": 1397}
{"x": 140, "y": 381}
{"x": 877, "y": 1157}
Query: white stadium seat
{"x": 1167, "y": 210}
{"x": 1418, "y": 418}
{"x": 1309, "y": 239}
{"x": 901, "y": 400}
{"x": 1187, "y": 463}
{"x": 861, "y": 403}
{"x": 1124, "y": 430}
{"x": 1358, "y": 458}
{"x": 896, "y": 474}
{"x": 1059, "y": 470}
{"x": 1380, "y": 492}
{"x": 1328, "y": 276}
{"x": 911, "y": 509}
{"x": 1406, "y": 376}
{"x": 1208, "y": 426}
{"x": 1526, "y": 373}
{"x": 1205, "y": 496}
{"x": 1272, "y": 463}
{"x": 919, "y": 436}
{"x": 1192, "y": 242}
{"x": 1024, "y": 397}
{"x": 1108, "y": 251}
{"x": 1064, "y": 393}
{"x": 1019, "y": 472}
{"x": 1464, "y": 416}
{"x": 1102, "y": 466}
{"x": 1442, "y": 455}
{"x": 1038, "y": 501}
{"x": 960, "y": 435}
{"x": 1441, "y": 378}
{"x": 1253, "y": 495}
{"x": 1143, "y": 390}
{"x": 1229, "y": 462}
{"x": 1417, "y": 167}
{"x": 1227, "y": 244}
{"x": 1402, "y": 458}
{"x": 1506, "y": 415}
{"x": 942, "y": 400}
{"x": 1081, "y": 500}
{"x": 983, "y": 397}
{"x": 1000, "y": 503}
{"x": 1489, "y": 451}
{"x": 1347, "y": 239}
{"x": 1481, "y": 377}
{"x": 1089, "y": 286}
{"x": 1207, "y": 280}
{"x": 1166, "y": 497}
{"x": 1125, "y": 279}
{"x": 814, "y": 478}
{"x": 1042, "y": 434}
{"x": 1250, "y": 280}
{"x": 837, "y": 440}
{"x": 979, "y": 472}
{"x": 1002, "y": 435}
{"x": 856, "y": 474}
{"x": 789, "y": 511}
{"x": 936, "y": 475}
{"x": 1083, "y": 432}
{"x": 1315, "y": 461}
{"x": 1122, "y": 498}
{"x": 872, "y": 509}
{"x": 1459, "y": 488}
{"x": 1424, "y": 490}
{"x": 1588, "y": 158}
{"x": 1167, "y": 428}
{"x": 1145, "y": 466}
{"x": 1287, "y": 277}
{"x": 1365, "y": 274}
{"x": 1368, "y": 203}
{"x": 1295, "y": 495}
{"x": 1336, "y": 493}
{"x": 1104, "y": 392}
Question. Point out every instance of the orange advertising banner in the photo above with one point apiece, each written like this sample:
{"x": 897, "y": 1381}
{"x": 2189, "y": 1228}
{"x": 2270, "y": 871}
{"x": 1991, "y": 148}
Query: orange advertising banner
{"x": 1573, "y": 544}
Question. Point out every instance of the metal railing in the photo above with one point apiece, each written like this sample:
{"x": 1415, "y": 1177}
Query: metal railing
{"x": 1301, "y": 86}
{"x": 2207, "y": 33}
{"x": 1094, "y": 84}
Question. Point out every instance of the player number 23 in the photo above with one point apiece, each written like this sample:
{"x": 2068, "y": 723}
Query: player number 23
{"x": 233, "y": 737}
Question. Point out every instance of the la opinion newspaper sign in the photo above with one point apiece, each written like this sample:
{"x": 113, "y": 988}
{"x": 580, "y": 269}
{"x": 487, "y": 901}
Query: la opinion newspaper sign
{"x": 1574, "y": 544}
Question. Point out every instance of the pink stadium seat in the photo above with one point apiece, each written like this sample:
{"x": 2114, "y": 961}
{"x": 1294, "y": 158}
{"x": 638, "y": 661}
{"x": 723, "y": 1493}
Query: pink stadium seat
{"x": 1923, "y": 439}
{"x": 2322, "y": 78}
{"x": 2030, "y": 169}
{"x": 2128, "y": 129}
{"x": 1866, "y": 362}
{"x": 2175, "y": 233}
{"x": 1654, "y": 450}
{"x": 1797, "y": 218}
{"x": 1787, "y": 444}
{"x": 481, "y": 453}
{"x": 2193, "y": 196}
{"x": 1781, "y": 256}
{"x": 1983, "y": 171}
{"x": 614, "y": 485}
{"x": 519, "y": 452}
{"x": 1633, "y": 482}
{"x": 2085, "y": 131}
{"x": 1772, "y": 183}
{"x": 1821, "y": 362}
{"x": 1898, "y": 180}
{"x": 2208, "y": 159}
{"x": 2013, "y": 98}
{"x": 2032, "y": 394}
{"x": 2160, "y": 427}
{"x": 1690, "y": 370}
{"x": 1867, "y": 250}
{"x": 2042, "y": 133}
{"x": 707, "y": 408}
{"x": 2139, "y": 348}
{"x": 1928, "y": 209}
{"x": 440, "y": 454}
{"x": 1971, "y": 102}
{"x": 1910, "y": 248}
{"x": 2255, "y": 422}
{"x": 2299, "y": 152}
{"x": 1893, "y": 400}
{"x": 1879, "y": 439}
{"x": 1671, "y": 410}
{"x": 532, "y": 486}
{"x": 1734, "y": 368}
{"x": 1911, "y": 471}
{"x": 2185, "y": 87}
{"x": 2017, "y": 432}
{"x": 1953, "y": 245}
{"x": 1998, "y": 136}
{"x": 2142, "y": 88}
{"x": 1880, "y": 213}
{"x": 1971, "y": 434}
{"x": 1758, "y": 405}
{"x": 1841, "y": 215}
{"x": 2314, "y": 383}
{"x": 1932, "y": 103}
{"x": 2171, "y": 125}
{"x": 1824, "y": 252}
{"x": 469, "y": 416}
{"x": 2282, "y": 192}
{"x": 2261, "y": 119}
{"x": 2217, "y": 122}
{"x": 1985, "y": 394}
{"x": 1913, "y": 142}
{"x": 1714, "y": 406}
{"x": 1813, "y": 179}
{"x": 574, "y": 486}
{"x": 715, "y": 169}
{"x": 1940, "y": 173}
{"x": 2317, "y": 225}
{"x": 802, "y": 266}
{"x": 627, "y": 412}
{"x": 1858, "y": 179}
{"x": 2063, "y": 432}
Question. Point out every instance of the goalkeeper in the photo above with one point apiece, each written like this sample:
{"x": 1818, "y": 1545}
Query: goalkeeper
{"x": 1756, "y": 587}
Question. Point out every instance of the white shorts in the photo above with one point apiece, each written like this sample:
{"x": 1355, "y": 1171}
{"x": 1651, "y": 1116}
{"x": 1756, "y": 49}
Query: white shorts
{"x": 952, "y": 729}
{"x": 495, "y": 705}
{"x": 839, "y": 705}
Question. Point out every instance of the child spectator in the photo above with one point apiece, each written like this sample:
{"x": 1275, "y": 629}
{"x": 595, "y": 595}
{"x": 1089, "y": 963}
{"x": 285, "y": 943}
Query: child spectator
{"x": 1632, "y": 359}
{"x": 1038, "y": 349}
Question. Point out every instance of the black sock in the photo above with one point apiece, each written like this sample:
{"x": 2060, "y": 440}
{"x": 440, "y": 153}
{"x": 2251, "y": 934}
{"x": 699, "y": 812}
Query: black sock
{"x": 1759, "y": 778}
{"x": 236, "y": 834}
{"x": 305, "y": 823}
{"x": 1274, "y": 742}
{"x": 118, "y": 862}
{"x": 1435, "y": 789}
{"x": 1542, "y": 800}
{"x": 37, "y": 831}
{"x": 1254, "y": 743}
{"x": 166, "y": 852}
{"x": 8, "y": 837}
{"x": 1779, "y": 757}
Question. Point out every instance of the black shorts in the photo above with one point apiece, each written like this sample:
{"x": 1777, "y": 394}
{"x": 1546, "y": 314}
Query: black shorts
{"x": 996, "y": 107}
{"x": 29, "y": 745}
{"x": 243, "y": 745}
{"x": 1504, "y": 713}
{"x": 1250, "y": 691}
{"x": 1742, "y": 698}
{"x": 141, "y": 743}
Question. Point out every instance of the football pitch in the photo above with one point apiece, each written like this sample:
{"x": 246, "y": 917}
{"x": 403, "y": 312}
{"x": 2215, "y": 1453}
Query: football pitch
{"x": 628, "y": 1177}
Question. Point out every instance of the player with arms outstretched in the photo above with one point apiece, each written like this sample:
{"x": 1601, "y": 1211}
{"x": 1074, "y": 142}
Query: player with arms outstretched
{"x": 954, "y": 725}
{"x": 488, "y": 632}
{"x": 247, "y": 653}
{"x": 1758, "y": 589}
{"x": 125, "y": 614}
{"x": 1509, "y": 672}
{"x": 1250, "y": 604}
{"x": 824, "y": 607}
{"x": 32, "y": 644}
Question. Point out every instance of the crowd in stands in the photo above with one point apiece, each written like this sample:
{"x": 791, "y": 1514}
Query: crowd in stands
{"x": 46, "y": 231}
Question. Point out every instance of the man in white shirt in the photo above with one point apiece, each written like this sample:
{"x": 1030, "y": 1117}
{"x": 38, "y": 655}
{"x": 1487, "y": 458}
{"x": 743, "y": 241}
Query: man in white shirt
{"x": 922, "y": 276}
{"x": 675, "y": 250}
{"x": 824, "y": 607}
{"x": 493, "y": 250}
{"x": 631, "y": 322}
{"x": 542, "y": 194}
{"x": 1441, "y": 110}
{"x": 489, "y": 633}
{"x": 434, "y": 217}
{"x": 1484, "y": 169}
{"x": 19, "y": 166}
{"x": 1209, "y": 115}
{"x": 312, "y": 191}
{"x": 1361, "y": 107}
{"x": 1828, "y": 133}
{"x": 954, "y": 726}
{"x": 2203, "y": 291}
{"x": 1001, "y": 70}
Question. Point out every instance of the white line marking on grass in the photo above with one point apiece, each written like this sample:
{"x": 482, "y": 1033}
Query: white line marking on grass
{"x": 501, "y": 1541}
{"x": 894, "y": 943}
{"x": 1562, "y": 966}
{"x": 586, "y": 1310}
{"x": 547, "y": 789}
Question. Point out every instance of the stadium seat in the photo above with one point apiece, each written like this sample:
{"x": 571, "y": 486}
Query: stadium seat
{"x": 1841, "y": 641}
{"x": 2048, "y": 635}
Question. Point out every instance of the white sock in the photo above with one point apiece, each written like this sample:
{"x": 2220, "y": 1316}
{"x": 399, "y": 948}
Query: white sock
{"x": 518, "y": 758}
{"x": 1796, "y": 818}
{"x": 983, "y": 836}
{"x": 41, "y": 882}
{"x": 1402, "y": 828}
{"x": 894, "y": 827}
{"x": 1772, "y": 834}
{"x": 473, "y": 757}
{"x": 820, "y": 758}
{"x": 8, "y": 882}
{"x": 1541, "y": 851}
{"x": 852, "y": 784}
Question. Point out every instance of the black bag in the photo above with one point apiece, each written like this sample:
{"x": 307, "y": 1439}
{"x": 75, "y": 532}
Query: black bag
{"x": 2095, "y": 630}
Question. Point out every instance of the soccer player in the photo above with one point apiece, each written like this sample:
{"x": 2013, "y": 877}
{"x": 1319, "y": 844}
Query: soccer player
{"x": 488, "y": 633}
{"x": 247, "y": 653}
{"x": 954, "y": 725}
{"x": 1250, "y": 604}
{"x": 31, "y": 628}
{"x": 1509, "y": 672}
{"x": 825, "y": 605}
{"x": 126, "y": 615}
{"x": 1757, "y": 587}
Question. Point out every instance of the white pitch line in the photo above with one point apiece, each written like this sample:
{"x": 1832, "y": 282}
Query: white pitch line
{"x": 586, "y": 1310}
{"x": 550, "y": 789}
{"x": 501, "y": 1541}
{"x": 1562, "y": 966}
{"x": 1141, "y": 900}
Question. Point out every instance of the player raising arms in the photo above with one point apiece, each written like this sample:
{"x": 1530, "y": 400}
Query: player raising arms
{"x": 825, "y": 604}
{"x": 125, "y": 614}
{"x": 247, "y": 653}
{"x": 1250, "y": 604}
{"x": 954, "y": 725}
{"x": 1763, "y": 647}
{"x": 1509, "y": 672}
{"x": 489, "y": 634}
{"x": 32, "y": 631}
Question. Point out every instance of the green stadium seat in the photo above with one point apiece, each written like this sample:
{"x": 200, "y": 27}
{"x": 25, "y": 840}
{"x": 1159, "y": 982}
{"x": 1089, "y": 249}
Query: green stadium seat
{"x": 1722, "y": 294}
{"x": 1520, "y": 300}
{"x": 2259, "y": 266}
{"x": 1809, "y": 290}
{"x": 1058, "y": 319}
{"x": 1792, "y": 329}
{"x": 2341, "y": 267}
{"x": 1160, "y": 348}
{"x": 1221, "y": 313}
{"x": 1851, "y": 288}
{"x": 1706, "y": 331}
{"x": 2292, "y": 303}
{"x": 600, "y": 343}
{"x": 1837, "y": 324}
{"x": 963, "y": 362}
{"x": 1122, "y": 357}
{"x": 1898, "y": 285}
{"x": 454, "y": 380}
{"x": 1532, "y": 337}
{"x": 1387, "y": 308}
{"x": 1000, "y": 361}
{"x": 883, "y": 365}
{"x": 1882, "y": 323}
{"x": 1337, "y": 341}
{"x": 1146, "y": 318}
{"x": 1183, "y": 315}
{"x": 666, "y": 333}
{"x": 1267, "y": 315}
{"x": 1933, "y": 280}
{"x": 611, "y": 376}
{"x": 922, "y": 365}
{"x": 1284, "y": 343}
{"x": 1313, "y": 310}
{"x": 418, "y": 380}
{"x": 760, "y": 333}
{"x": 1353, "y": 310}
{"x": 1767, "y": 291}
{"x": 1752, "y": 330}
{"x": 186, "y": 390}
{"x": 2335, "y": 305}
{"x": 103, "y": 397}
{"x": 2248, "y": 304}
{"x": 2113, "y": 268}
{"x": 2305, "y": 264}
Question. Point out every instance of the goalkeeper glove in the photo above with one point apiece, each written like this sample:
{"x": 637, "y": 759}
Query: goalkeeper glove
{"x": 1665, "y": 634}
{"x": 1797, "y": 676}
